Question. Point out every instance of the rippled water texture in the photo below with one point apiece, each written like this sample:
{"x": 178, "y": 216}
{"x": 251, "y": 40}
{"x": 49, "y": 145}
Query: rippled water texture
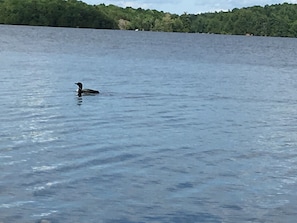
{"x": 187, "y": 127}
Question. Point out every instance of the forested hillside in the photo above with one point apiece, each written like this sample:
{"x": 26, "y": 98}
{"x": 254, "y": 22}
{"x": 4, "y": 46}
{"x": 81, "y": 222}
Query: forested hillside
{"x": 61, "y": 13}
{"x": 274, "y": 20}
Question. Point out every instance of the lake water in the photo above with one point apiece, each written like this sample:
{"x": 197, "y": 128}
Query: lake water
{"x": 187, "y": 127}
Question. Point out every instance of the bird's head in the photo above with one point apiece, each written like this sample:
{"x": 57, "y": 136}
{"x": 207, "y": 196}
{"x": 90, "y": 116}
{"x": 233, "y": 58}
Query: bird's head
{"x": 79, "y": 85}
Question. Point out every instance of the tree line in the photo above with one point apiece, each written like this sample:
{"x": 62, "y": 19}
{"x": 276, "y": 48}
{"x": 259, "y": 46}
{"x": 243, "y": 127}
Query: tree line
{"x": 270, "y": 20}
{"x": 57, "y": 13}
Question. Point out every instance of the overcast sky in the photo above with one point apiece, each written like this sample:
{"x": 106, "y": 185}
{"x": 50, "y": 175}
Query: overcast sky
{"x": 188, "y": 6}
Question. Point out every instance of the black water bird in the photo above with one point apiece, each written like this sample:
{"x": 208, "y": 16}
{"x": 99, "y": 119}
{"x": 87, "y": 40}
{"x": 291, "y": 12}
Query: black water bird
{"x": 81, "y": 91}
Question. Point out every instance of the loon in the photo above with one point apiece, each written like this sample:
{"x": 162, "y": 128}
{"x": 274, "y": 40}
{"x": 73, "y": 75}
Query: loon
{"x": 81, "y": 91}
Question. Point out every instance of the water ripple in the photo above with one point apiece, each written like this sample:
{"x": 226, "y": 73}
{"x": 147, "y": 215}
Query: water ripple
{"x": 173, "y": 137}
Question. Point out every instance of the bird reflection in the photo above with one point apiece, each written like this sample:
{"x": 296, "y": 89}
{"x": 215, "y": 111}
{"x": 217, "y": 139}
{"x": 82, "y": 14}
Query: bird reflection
{"x": 79, "y": 100}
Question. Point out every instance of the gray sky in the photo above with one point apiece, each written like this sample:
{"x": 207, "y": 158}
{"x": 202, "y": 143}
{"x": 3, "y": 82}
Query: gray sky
{"x": 188, "y": 6}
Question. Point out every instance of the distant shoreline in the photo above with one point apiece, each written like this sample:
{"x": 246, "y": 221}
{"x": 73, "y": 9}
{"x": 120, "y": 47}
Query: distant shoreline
{"x": 279, "y": 20}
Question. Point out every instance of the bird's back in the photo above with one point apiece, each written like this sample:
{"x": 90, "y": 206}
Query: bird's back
{"x": 90, "y": 91}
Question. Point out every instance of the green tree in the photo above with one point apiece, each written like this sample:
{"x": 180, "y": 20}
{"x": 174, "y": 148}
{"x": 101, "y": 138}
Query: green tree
{"x": 273, "y": 20}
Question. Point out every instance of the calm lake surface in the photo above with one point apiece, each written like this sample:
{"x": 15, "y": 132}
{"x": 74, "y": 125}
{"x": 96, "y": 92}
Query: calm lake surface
{"x": 187, "y": 127}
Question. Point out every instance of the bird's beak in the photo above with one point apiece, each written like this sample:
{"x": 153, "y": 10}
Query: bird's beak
{"x": 76, "y": 83}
